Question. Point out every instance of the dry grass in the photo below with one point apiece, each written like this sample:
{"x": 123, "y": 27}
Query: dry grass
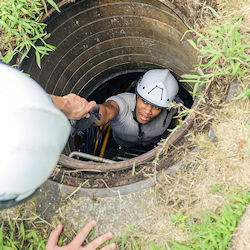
{"x": 194, "y": 10}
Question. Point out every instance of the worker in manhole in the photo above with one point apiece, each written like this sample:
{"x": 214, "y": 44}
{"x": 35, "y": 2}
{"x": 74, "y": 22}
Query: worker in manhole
{"x": 139, "y": 119}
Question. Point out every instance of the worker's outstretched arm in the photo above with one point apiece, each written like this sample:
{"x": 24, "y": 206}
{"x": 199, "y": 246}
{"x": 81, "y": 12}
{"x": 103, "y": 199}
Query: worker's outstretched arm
{"x": 108, "y": 111}
{"x": 76, "y": 107}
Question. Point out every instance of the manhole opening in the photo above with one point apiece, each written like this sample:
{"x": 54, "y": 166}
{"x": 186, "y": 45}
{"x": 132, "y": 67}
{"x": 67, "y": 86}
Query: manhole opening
{"x": 102, "y": 46}
{"x": 98, "y": 141}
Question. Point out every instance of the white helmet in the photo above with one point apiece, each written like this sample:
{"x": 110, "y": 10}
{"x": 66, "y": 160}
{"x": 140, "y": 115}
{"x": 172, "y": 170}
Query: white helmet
{"x": 158, "y": 87}
{"x": 32, "y": 132}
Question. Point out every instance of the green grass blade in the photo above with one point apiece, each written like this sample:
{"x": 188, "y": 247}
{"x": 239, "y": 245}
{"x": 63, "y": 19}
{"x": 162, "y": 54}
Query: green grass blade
{"x": 51, "y": 2}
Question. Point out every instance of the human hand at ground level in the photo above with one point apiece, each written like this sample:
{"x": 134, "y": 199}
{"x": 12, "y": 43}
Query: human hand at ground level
{"x": 73, "y": 106}
{"x": 76, "y": 243}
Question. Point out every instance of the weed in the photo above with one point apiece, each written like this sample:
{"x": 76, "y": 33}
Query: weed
{"x": 222, "y": 51}
{"x": 20, "y": 20}
{"x": 244, "y": 95}
{"x": 180, "y": 221}
{"x": 133, "y": 240}
{"x": 182, "y": 112}
{"x": 215, "y": 231}
{"x": 133, "y": 169}
{"x": 14, "y": 236}
{"x": 76, "y": 190}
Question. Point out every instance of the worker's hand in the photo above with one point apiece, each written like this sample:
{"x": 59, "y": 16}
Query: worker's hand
{"x": 73, "y": 106}
{"x": 76, "y": 243}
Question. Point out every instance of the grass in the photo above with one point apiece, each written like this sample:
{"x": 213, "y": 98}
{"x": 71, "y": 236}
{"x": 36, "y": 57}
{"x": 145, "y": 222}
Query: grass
{"x": 22, "y": 30}
{"x": 209, "y": 231}
{"x": 15, "y": 236}
{"x": 244, "y": 95}
{"x": 213, "y": 231}
{"x": 223, "y": 52}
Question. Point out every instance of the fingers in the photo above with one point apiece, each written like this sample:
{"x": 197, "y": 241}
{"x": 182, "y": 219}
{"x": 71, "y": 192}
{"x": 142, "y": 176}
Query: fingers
{"x": 82, "y": 235}
{"x": 112, "y": 246}
{"x": 99, "y": 241}
{"x": 92, "y": 104}
{"x": 53, "y": 238}
{"x": 80, "y": 107}
{"x": 87, "y": 108}
{"x": 79, "y": 239}
{"x": 75, "y": 107}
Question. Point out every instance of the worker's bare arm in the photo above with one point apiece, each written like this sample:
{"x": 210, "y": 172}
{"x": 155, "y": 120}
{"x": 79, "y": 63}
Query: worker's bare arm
{"x": 76, "y": 107}
{"x": 108, "y": 110}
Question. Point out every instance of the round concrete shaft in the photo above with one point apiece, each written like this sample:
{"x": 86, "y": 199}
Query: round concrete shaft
{"x": 98, "y": 40}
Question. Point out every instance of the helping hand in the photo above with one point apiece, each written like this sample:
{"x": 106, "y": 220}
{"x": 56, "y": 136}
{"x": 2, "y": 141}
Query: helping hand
{"x": 76, "y": 243}
{"x": 73, "y": 106}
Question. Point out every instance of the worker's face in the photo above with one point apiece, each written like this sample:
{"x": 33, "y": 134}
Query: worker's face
{"x": 145, "y": 112}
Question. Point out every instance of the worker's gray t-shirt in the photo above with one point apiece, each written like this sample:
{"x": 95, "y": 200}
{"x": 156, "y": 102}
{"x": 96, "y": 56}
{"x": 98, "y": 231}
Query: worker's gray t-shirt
{"x": 125, "y": 128}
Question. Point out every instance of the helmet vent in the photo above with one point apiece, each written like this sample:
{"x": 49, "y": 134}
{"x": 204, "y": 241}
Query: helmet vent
{"x": 156, "y": 90}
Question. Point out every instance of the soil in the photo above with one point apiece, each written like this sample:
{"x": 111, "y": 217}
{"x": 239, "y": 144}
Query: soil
{"x": 113, "y": 179}
{"x": 190, "y": 11}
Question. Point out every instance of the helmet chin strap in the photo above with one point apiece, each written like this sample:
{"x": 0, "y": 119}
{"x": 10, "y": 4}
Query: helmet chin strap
{"x": 140, "y": 132}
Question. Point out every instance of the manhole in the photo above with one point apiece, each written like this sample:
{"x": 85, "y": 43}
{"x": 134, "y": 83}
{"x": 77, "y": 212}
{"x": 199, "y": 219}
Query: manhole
{"x": 108, "y": 44}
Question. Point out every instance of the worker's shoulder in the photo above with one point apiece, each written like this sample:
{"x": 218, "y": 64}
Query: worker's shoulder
{"x": 125, "y": 97}
{"x": 126, "y": 102}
